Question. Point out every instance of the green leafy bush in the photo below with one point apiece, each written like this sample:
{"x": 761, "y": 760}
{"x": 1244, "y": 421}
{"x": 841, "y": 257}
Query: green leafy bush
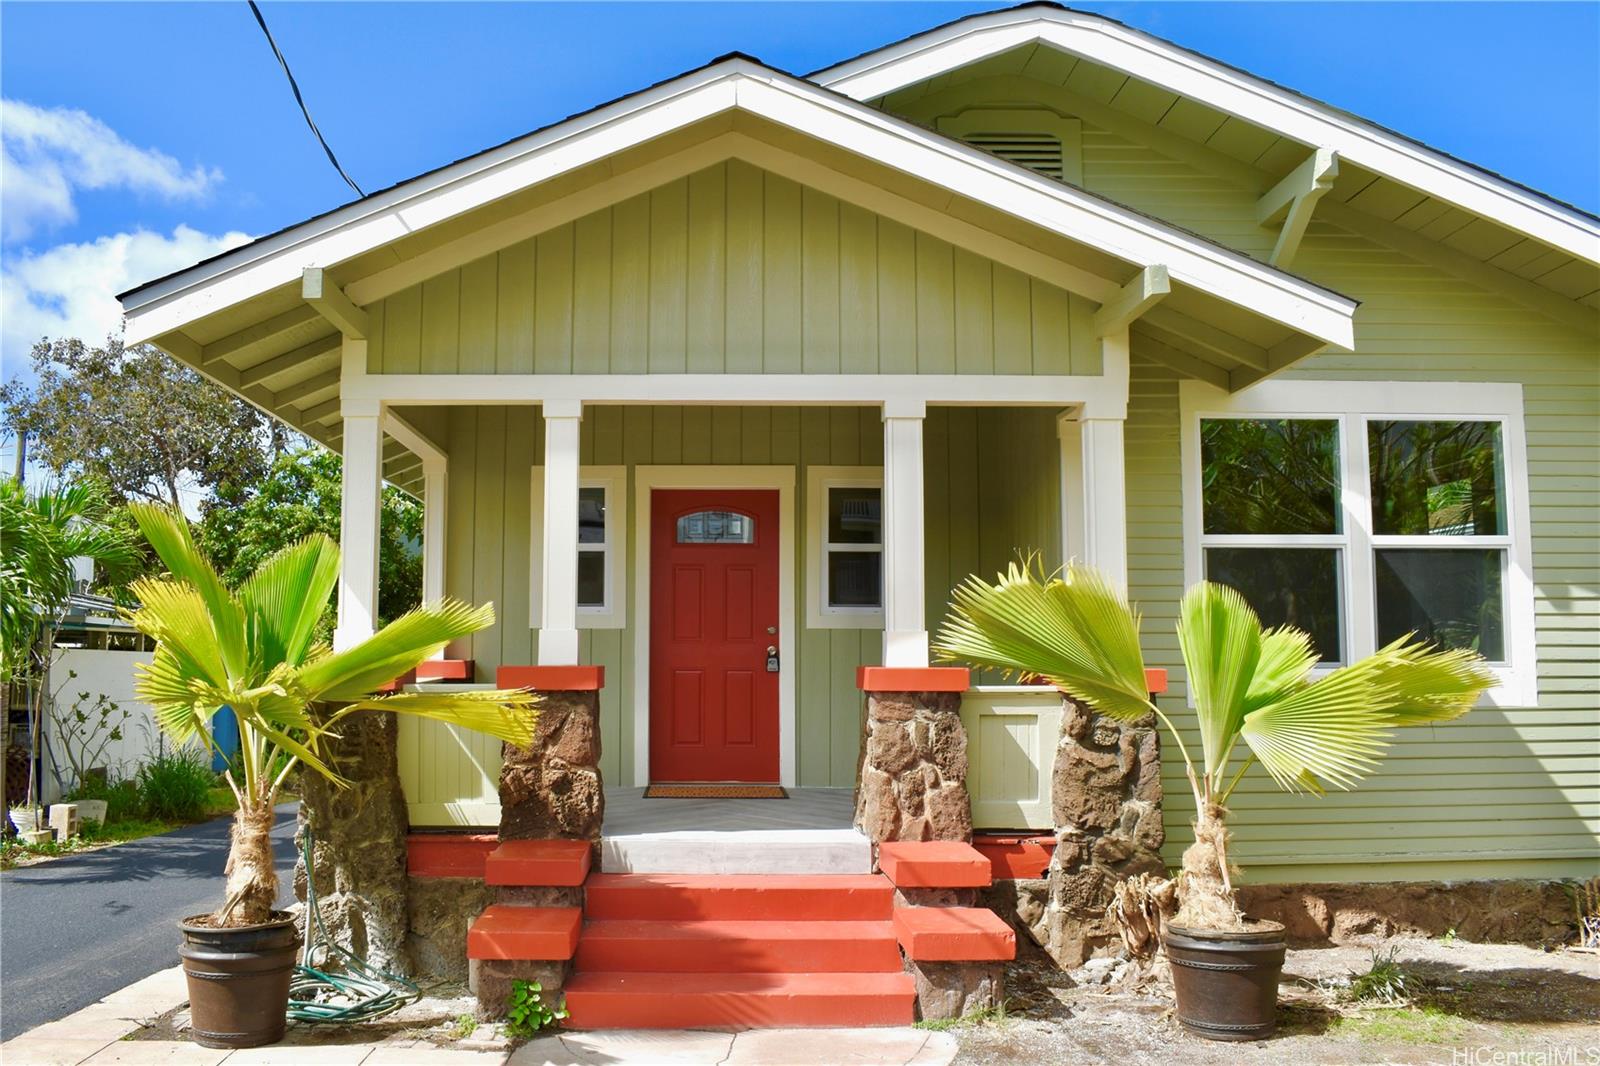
{"x": 526, "y": 1012}
{"x": 123, "y": 802}
{"x": 176, "y": 786}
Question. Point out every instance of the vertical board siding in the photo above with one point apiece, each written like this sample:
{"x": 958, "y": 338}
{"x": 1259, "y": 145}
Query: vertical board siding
{"x": 734, "y": 270}
{"x": 1000, "y": 464}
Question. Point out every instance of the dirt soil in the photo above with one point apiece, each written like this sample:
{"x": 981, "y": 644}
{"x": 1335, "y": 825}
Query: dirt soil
{"x": 1501, "y": 998}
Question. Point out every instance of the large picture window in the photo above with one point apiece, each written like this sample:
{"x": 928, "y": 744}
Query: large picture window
{"x": 1363, "y": 512}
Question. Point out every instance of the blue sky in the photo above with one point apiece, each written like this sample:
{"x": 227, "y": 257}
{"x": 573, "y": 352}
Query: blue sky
{"x": 140, "y": 137}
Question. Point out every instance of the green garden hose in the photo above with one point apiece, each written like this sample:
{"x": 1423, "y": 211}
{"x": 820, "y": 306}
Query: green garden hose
{"x": 358, "y": 992}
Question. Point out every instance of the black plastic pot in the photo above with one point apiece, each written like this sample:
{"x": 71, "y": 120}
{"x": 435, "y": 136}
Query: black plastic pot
{"x": 1226, "y": 982}
{"x": 238, "y": 980}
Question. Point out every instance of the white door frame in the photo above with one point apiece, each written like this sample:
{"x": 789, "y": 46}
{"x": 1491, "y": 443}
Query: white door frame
{"x": 646, "y": 479}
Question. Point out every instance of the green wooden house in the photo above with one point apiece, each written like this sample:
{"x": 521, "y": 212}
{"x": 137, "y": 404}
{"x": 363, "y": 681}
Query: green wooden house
{"x": 716, "y": 389}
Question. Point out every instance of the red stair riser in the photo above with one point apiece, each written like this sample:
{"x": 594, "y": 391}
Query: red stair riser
{"x": 741, "y": 1001}
{"x": 539, "y": 863}
{"x": 954, "y": 934}
{"x": 738, "y": 947}
{"x": 662, "y": 897}
{"x": 523, "y": 934}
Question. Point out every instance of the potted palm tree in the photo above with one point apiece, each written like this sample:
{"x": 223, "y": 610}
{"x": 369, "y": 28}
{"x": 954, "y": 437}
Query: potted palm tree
{"x": 254, "y": 649}
{"x": 1246, "y": 684}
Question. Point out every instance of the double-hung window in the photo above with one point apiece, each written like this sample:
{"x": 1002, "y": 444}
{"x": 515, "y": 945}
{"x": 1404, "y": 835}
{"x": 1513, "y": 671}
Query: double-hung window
{"x": 602, "y": 575}
{"x": 844, "y": 556}
{"x": 1361, "y": 512}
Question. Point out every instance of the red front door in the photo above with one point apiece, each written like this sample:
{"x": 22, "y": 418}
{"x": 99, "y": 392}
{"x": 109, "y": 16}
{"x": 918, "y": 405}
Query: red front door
{"x": 713, "y": 615}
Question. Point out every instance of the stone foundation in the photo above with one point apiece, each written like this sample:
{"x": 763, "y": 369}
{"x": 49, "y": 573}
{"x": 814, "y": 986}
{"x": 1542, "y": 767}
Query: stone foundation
{"x": 552, "y": 789}
{"x": 360, "y": 851}
{"x": 912, "y": 782}
{"x": 441, "y": 909}
{"x": 956, "y": 989}
{"x": 491, "y": 979}
{"x": 1539, "y": 913}
{"x": 1106, "y": 796}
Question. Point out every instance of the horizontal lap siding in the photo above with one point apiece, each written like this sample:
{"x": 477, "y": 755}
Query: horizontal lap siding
{"x": 1511, "y": 792}
{"x": 733, "y": 270}
{"x": 1001, "y": 464}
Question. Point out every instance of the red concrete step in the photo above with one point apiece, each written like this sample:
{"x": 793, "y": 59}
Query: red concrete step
{"x": 449, "y": 854}
{"x": 738, "y": 1000}
{"x": 954, "y": 934}
{"x": 504, "y": 931}
{"x": 739, "y": 897}
{"x": 934, "y": 864}
{"x": 738, "y": 947}
{"x": 539, "y": 863}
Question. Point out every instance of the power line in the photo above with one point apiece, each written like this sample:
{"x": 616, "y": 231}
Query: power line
{"x": 284, "y": 63}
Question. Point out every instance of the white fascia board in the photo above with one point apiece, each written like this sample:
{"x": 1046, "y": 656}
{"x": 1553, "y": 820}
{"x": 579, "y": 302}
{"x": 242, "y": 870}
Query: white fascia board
{"x": 741, "y": 84}
{"x": 1080, "y": 216}
{"x": 1227, "y": 90}
{"x": 421, "y": 202}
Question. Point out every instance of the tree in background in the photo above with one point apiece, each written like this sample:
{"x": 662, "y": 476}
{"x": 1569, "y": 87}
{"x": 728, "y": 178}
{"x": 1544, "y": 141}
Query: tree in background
{"x": 41, "y": 533}
{"x": 149, "y": 427}
{"x": 244, "y": 525}
{"x": 141, "y": 422}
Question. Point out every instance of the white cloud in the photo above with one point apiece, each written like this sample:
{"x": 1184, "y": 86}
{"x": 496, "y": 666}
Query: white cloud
{"x": 50, "y": 153}
{"x": 71, "y": 290}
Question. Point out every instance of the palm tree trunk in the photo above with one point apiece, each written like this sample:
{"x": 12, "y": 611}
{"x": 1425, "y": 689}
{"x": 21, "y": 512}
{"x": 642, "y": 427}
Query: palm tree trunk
{"x": 1205, "y": 888}
{"x": 252, "y": 880}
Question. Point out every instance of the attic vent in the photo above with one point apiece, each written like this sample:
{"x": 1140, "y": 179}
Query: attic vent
{"x": 1036, "y": 151}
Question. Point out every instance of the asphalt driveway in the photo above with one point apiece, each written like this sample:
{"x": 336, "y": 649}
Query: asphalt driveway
{"x": 76, "y": 929}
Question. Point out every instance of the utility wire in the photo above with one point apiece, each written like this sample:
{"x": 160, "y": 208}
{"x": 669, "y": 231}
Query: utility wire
{"x": 284, "y": 63}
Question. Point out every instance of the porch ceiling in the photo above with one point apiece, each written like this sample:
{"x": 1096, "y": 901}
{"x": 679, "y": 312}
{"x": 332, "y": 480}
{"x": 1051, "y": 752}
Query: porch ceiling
{"x": 248, "y": 320}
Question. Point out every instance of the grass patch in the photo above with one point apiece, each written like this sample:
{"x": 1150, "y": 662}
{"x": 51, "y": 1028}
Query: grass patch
{"x": 1410, "y": 1025}
{"x": 15, "y": 853}
{"x": 464, "y": 1026}
{"x": 989, "y": 1015}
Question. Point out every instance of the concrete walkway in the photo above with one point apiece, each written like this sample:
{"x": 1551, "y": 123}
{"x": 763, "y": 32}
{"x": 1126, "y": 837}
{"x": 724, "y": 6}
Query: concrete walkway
{"x": 95, "y": 1036}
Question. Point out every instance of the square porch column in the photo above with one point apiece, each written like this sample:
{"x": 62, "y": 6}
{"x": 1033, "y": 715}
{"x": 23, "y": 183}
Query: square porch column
{"x": 905, "y": 634}
{"x": 1095, "y": 494}
{"x": 435, "y": 491}
{"x": 359, "y": 510}
{"x": 558, "y": 619}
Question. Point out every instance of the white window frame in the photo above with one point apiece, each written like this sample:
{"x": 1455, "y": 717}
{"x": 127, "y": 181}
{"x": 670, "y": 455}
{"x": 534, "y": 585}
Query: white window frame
{"x": 613, "y": 480}
{"x": 1353, "y": 404}
{"x": 819, "y": 613}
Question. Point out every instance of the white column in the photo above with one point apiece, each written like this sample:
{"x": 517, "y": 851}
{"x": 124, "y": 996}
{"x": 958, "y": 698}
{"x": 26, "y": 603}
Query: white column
{"x": 558, "y": 619}
{"x": 905, "y": 636}
{"x": 358, "y": 521}
{"x": 1095, "y": 495}
{"x": 435, "y": 483}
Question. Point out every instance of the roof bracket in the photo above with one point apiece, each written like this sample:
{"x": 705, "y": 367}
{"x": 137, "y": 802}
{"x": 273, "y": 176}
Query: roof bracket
{"x": 332, "y": 304}
{"x": 1147, "y": 289}
{"x": 1293, "y": 200}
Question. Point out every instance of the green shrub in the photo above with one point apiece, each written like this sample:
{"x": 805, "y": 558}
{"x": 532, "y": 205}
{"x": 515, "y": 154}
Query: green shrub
{"x": 526, "y": 1012}
{"x": 176, "y": 786}
{"x": 123, "y": 802}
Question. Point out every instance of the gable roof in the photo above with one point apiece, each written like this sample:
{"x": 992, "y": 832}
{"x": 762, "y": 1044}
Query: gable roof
{"x": 1229, "y": 90}
{"x": 743, "y": 84}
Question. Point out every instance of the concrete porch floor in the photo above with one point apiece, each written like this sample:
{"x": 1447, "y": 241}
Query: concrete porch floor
{"x": 629, "y": 813}
{"x": 808, "y": 833}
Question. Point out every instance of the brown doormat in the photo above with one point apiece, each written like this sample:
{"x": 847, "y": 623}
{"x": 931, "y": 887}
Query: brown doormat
{"x": 743, "y": 792}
